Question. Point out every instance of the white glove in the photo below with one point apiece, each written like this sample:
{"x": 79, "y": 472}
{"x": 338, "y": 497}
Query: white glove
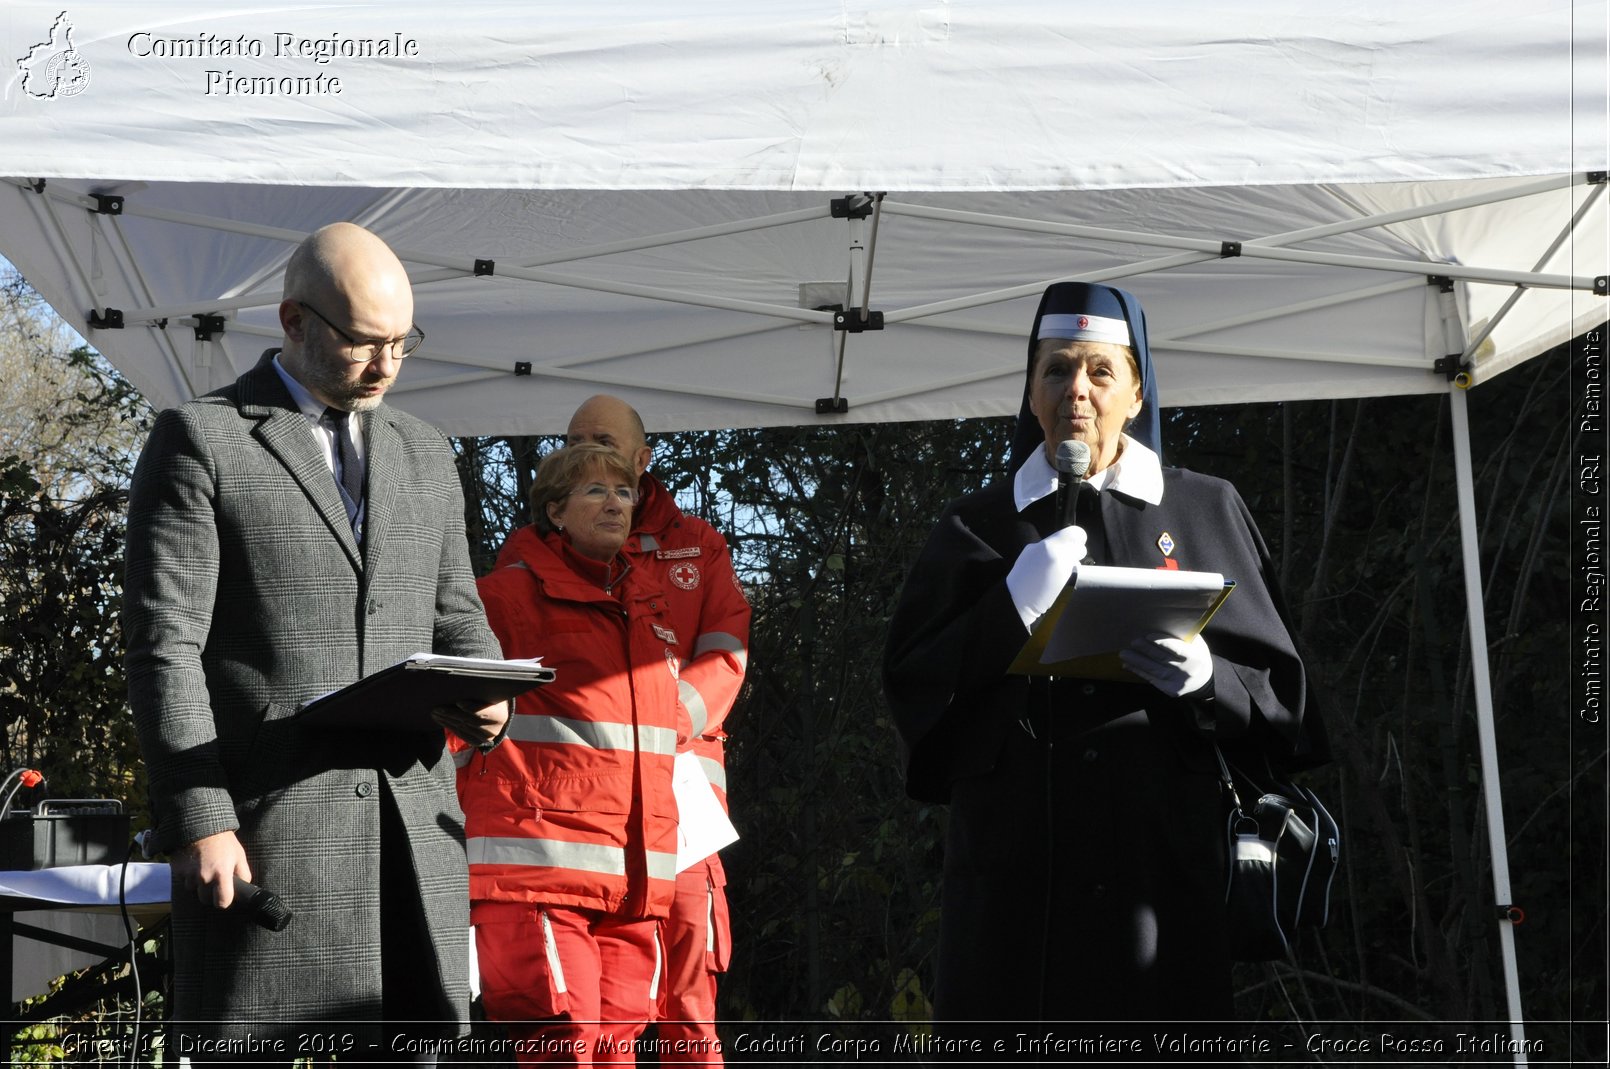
{"x": 1176, "y": 667}
{"x": 1042, "y": 570}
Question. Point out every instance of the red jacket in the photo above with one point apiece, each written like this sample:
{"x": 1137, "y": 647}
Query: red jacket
{"x": 575, "y": 807}
{"x": 688, "y": 560}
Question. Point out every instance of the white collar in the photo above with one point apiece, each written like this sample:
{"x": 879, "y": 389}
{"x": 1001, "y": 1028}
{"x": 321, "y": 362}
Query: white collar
{"x": 306, "y": 403}
{"x": 1138, "y": 473}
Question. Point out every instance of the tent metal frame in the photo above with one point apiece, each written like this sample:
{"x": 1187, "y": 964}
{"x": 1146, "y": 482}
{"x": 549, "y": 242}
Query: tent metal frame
{"x": 858, "y": 261}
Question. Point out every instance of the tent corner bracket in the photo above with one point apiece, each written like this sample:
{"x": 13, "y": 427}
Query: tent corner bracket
{"x": 1455, "y": 368}
{"x": 1442, "y": 282}
{"x": 110, "y": 319}
{"x": 484, "y": 267}
{"x": 832, "y": 406}
{"x": 522, "y": 368}
{"x": 855, "y": 206}
{"x": 855, "y": 321}
{"x": 1597, "y": 178}
{"x": 1229, "y": 250}
{"x": 208, "y": 325}
{"x": 37, "y": 185}
{"x": 1601, "y": 285}
{"x": 108, "y": 203}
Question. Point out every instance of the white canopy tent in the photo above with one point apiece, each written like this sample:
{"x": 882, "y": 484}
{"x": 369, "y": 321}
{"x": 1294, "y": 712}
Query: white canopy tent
{"x": 661, "y": 199}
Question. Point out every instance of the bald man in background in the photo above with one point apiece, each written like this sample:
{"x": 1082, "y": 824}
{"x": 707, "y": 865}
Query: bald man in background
{"x": 288, "y": 535}
{"x": 711, "y": 616}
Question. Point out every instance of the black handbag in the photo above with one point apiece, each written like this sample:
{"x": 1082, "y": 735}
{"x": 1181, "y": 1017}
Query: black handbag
{"x": 1283, "y": 855}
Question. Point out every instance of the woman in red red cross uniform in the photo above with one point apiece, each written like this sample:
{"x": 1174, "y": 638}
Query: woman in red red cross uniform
{"x": 571, "y": 823}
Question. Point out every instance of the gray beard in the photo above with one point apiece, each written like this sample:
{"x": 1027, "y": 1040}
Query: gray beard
{"x": 324, "y": 375}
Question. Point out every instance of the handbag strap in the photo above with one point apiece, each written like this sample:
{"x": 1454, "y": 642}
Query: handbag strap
{"x": 1226, "y": 780}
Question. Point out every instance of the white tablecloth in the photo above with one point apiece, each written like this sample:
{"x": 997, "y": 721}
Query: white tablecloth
{"x": 79, "y": 900}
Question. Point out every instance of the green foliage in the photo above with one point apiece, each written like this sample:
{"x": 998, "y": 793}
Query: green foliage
{"x": 1364, "y": 519}
{"x": 62, "y": 513}
{"x": 89, "y": 1017}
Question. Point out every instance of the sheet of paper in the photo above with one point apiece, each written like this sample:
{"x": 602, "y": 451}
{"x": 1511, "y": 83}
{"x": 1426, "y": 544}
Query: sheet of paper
{"x": 1106, "y": 608}
{"x": 1110, "y": 607}
{"x": 702, "y": 825}
{"x": 482, "y": 664}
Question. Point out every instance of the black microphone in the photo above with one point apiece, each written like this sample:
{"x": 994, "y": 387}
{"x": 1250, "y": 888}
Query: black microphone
{"x": 259, "y": 905}
{"x": 1073, "y": 461}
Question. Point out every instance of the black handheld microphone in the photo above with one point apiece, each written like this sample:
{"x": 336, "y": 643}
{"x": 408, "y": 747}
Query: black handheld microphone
{"x": 1073, "y": 461}
{"x": 259, "y": 905}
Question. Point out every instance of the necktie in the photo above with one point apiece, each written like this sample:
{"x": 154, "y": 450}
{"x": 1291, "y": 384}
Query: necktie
{"x": 348, "y": 470}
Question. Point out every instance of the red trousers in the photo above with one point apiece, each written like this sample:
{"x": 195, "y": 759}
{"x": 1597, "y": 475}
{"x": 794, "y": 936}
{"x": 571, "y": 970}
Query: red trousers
{"x": 575, "y": 986}
{"x": 697, "y": 947}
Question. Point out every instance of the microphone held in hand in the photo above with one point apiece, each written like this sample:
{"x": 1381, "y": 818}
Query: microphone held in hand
{"x": 259, "y": 905}
{"x": 1072, "y": 464}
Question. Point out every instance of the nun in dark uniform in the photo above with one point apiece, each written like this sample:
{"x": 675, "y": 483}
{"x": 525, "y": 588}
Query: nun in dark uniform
{"x": 1085, "y": 861}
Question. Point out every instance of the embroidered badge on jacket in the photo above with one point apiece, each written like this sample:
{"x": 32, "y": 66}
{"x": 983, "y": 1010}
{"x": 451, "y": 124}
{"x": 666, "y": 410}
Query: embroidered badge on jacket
{"x": 686, "y": 575}
{"x": 665, "y": 634}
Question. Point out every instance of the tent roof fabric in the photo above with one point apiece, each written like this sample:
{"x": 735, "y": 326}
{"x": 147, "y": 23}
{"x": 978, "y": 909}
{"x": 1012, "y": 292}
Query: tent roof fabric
{"x": 650, "y": 189}
{"x": 991, "y": 95}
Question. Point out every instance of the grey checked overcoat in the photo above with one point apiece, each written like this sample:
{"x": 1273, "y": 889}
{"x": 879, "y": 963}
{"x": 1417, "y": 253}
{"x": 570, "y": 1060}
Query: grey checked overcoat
{"x": 247, "y": 594}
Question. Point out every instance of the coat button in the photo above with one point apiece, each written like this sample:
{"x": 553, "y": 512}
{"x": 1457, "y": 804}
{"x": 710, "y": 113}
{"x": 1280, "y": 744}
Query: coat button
{"x": 363, "y": 790}
{"x": 1087, "y": 689}
{"x": 1090, "y": 757}
{"x": 374, "y": 606}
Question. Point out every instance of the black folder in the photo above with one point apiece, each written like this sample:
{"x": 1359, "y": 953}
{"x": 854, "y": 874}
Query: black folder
{"x": 400, "y": 698}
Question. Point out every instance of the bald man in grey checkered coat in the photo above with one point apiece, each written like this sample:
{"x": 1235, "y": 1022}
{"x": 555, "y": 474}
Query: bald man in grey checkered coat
{"x": 256, "y": 581}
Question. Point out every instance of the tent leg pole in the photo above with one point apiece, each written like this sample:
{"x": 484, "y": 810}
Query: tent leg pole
{"x": 1475, "y": 616}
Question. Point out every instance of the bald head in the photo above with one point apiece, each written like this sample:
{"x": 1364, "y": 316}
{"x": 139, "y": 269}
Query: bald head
{"x": 610, "y": 421}
{"x": 342, "y": 265}
{"x": 358, "y": 292}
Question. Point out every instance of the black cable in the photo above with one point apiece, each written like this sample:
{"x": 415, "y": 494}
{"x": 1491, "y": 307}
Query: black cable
{"x": 134, "y": 950}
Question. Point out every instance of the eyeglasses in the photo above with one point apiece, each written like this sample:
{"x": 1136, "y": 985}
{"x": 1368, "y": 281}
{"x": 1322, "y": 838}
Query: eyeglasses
{"x": 598, "y": 493}
{"x": 361, "y": 352}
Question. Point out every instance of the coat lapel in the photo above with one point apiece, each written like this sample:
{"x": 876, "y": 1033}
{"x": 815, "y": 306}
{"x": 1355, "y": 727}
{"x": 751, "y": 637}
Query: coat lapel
{"x": 383, "y": 451}
{"x": 283, "y": 430}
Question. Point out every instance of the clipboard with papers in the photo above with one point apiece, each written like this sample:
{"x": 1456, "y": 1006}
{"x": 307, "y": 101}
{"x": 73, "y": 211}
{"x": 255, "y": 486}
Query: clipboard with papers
{"x": 1105, "y": 608}
{"x": 401, "y": 697}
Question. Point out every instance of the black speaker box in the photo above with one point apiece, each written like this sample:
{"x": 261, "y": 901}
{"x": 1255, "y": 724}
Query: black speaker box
{"x": 65, "y": 831}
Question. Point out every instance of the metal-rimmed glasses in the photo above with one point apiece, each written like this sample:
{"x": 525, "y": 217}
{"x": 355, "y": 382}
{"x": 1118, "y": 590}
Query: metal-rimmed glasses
{"x": 361, "y": 352}
{"x": 598, "y": 493}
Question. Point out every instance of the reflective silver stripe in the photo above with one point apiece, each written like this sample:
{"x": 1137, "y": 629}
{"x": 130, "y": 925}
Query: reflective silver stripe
{"x": 559, "y": 854}
{"x": 556, "y": 968}
{"x": 461, "y": 758}
{"x": 540, "y": 727}
{"x": 715, "y": 771}
{"x": 661, "y": 866}
{"x": 659, "y": 963}
{"x": 647, "y": 543}
{"x": 709, "y": 917}
{"x": 551, "y": 853}
{"x": 695, "y": 702}
{"x": 720, "y": 640}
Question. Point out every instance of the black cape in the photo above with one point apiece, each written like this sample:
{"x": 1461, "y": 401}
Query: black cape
{"x": 1084, "y": 869}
